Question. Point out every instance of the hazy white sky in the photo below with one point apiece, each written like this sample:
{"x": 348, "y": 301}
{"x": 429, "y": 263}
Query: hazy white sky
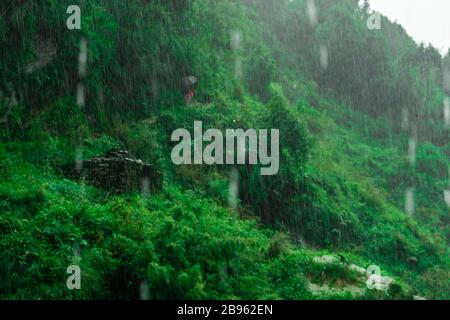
{"x": 427, "y": 21}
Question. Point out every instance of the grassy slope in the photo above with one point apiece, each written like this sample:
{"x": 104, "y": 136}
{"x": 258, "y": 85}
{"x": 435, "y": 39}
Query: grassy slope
{"x": 188, "y": 245}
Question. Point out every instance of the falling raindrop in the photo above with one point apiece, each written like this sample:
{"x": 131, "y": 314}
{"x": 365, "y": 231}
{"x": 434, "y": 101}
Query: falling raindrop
{"x": 236, "y": 44}
{"x": 447, "y": 197}
{"x": 144, "y": 291}
{"x": 311, "y": 10}
{"x": 238, "y": 68}
{"x": 82, "y": 58}
{"x": 236, "y": 39}
{"x": 80, "y": 96}
{"x": 233, "y": 189}
{"x": 405, "y": 119}
{"x": 446, "y": 80}
{"x": 447, "y": 111}
{"x": 412, "y": 151}
{"x": 145, "y": 187}
{"x": 449, "y": 176}
{"x": 447, "y": 192}
{"x": 79, "y": 160}
{"x": 154, "y": 86}
{"x": 409, "y": 201}
{"x": 323, "y": 57}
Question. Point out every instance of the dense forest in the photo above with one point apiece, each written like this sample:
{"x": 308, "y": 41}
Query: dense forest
{"x": 364, "y": 168}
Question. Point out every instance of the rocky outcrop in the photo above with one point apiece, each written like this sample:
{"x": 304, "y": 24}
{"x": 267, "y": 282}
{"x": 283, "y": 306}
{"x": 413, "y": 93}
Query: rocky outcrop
{"x": 358, "y": 284}
{"x": 119, "y": 172}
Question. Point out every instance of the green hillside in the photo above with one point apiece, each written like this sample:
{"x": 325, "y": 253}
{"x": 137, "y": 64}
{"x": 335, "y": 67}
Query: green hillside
{"x": 364, "y": 152}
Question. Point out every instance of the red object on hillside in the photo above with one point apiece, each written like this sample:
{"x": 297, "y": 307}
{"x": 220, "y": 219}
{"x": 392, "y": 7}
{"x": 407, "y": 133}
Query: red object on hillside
{"x": 188, "y": 84}
{"x": 188, "y": 96}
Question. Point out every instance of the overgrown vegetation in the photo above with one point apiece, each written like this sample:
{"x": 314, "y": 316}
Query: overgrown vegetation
{"x": 343, "y": 166}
